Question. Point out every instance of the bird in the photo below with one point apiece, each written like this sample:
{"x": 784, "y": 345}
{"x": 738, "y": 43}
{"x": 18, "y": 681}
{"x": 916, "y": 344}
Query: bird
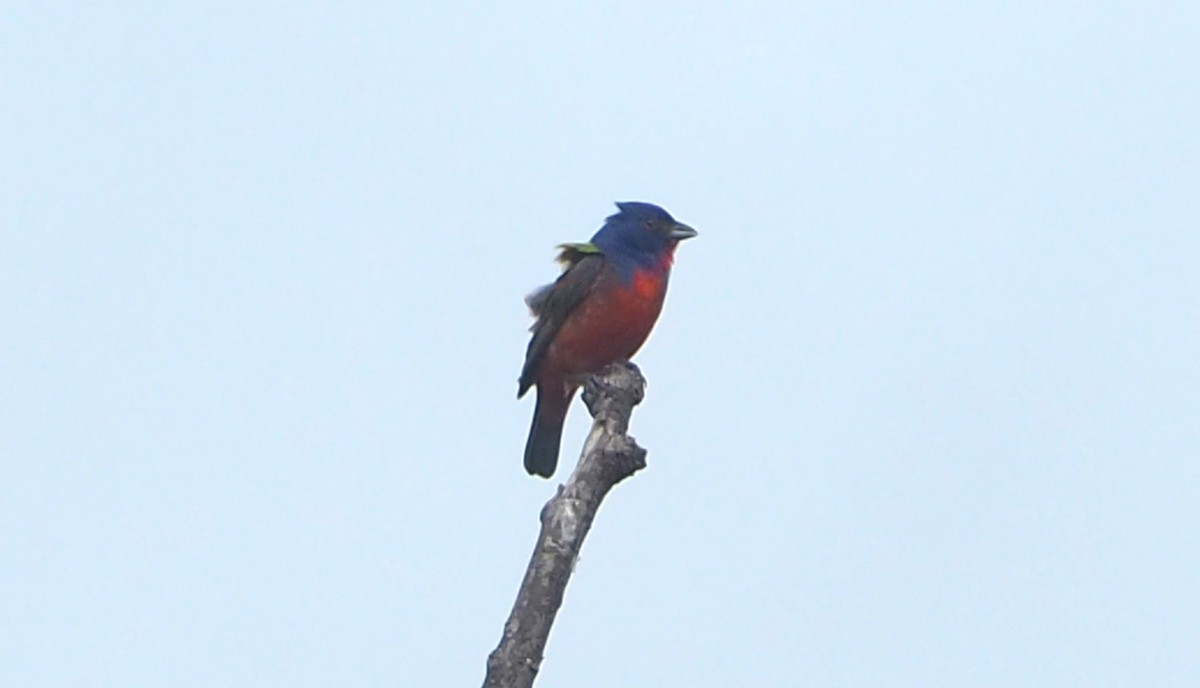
{"x": 599, "y": 311}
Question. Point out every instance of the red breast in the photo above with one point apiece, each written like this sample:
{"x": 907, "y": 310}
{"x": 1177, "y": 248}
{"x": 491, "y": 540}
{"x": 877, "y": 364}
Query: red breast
{"x": 611, "y": 324}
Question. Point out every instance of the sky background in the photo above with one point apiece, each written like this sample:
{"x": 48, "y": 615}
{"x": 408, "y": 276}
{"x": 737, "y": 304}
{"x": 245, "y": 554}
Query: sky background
{"x": 923, "y": 405}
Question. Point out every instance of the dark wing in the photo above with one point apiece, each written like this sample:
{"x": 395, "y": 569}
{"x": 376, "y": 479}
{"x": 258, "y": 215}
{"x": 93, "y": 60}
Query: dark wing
{"x": 553, "y": 304}
{"x": 568, "y": 256}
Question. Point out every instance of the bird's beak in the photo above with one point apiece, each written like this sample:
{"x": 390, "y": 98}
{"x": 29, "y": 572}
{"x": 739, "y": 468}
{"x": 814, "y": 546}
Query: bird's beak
{"x": 681, "y": 231}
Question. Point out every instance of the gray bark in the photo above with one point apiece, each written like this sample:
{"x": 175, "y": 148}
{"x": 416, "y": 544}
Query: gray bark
{"x": 609, "y": 456}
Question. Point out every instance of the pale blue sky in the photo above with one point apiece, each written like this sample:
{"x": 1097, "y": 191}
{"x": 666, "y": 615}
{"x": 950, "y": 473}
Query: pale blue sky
{"x": 923, "y": 405}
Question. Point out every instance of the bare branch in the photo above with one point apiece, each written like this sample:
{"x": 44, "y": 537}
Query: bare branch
{"x": 609, "y": 456}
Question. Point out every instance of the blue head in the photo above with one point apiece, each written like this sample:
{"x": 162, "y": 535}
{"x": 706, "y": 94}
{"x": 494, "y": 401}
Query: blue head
{"x": 640, "y": 234}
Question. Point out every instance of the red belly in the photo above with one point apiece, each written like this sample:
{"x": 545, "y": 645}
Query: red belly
{"x": 611, "y": 324}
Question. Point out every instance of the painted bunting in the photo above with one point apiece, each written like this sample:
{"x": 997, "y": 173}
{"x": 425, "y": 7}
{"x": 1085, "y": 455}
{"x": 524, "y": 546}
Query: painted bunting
{"x": 598, "y": 312}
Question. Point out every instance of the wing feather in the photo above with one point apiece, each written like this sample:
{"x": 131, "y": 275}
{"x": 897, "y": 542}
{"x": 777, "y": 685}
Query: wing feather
{"x": 552, "y": 305}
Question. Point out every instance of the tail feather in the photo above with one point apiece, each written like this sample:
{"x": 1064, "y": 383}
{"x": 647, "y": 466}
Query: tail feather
{"x": 545, "y": 434}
